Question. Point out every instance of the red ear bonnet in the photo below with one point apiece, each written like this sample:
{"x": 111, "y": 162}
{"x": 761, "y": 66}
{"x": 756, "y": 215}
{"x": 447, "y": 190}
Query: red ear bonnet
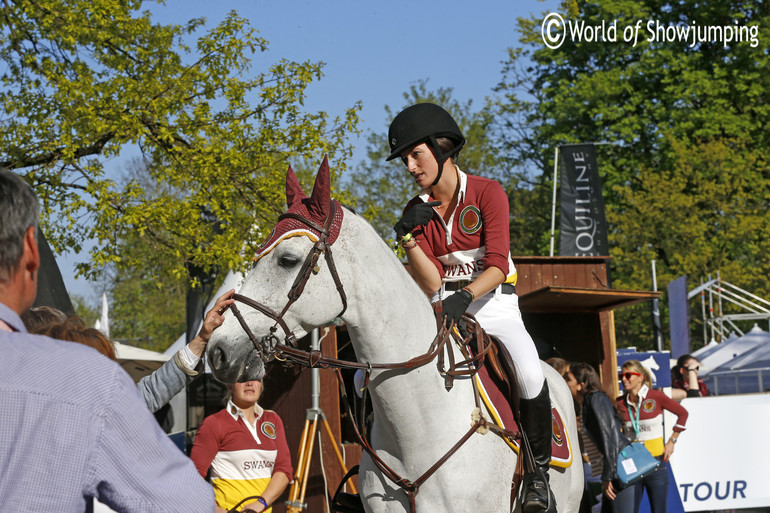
{"x": 315, "y": 208}
{"x": 294, "y": 190}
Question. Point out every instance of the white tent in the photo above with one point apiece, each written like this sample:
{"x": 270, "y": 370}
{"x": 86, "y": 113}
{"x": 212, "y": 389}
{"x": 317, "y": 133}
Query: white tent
{"x": 727, "y": 352}
{"x": 138, "y": 362}
{"x": 756, "y": 358}
{"x": 712, "y": 346}
{"x": 708, "y": 348}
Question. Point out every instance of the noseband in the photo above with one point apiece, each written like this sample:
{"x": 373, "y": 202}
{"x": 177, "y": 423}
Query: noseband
{"x": 266, "y": 346}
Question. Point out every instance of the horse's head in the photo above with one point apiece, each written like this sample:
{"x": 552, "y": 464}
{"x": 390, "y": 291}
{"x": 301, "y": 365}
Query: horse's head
{"x": 292, "y": 288}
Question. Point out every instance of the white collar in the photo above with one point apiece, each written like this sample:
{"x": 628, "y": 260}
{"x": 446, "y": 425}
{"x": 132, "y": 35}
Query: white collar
{"x": 236, "y": 412}
{"x": 642, "y": 395}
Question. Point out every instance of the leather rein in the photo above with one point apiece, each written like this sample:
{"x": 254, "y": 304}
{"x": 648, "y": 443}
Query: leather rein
{"x": 269, "y": 348}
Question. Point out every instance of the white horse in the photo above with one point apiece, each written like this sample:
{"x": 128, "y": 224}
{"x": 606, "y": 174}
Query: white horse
{"x": 416, "y": 419}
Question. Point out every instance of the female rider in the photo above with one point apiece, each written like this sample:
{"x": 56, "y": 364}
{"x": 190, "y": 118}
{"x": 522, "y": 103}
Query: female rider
{"x": 641, "y": 409}
{"x": 456, "y": 237}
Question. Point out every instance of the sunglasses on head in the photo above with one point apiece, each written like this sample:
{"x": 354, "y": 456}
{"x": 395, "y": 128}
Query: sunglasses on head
{"x": 628, "y": 374}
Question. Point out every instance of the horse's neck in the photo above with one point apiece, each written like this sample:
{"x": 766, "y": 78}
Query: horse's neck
{"x": 389, "y": 316}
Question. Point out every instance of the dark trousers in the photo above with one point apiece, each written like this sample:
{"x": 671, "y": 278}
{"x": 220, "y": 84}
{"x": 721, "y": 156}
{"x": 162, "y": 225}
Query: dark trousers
{"x": 623, "y": 503}
{"x": 656, "y": 485}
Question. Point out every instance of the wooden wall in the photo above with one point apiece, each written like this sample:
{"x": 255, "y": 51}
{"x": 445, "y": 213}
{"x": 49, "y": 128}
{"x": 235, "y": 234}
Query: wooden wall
{"x": 537, "y": 272}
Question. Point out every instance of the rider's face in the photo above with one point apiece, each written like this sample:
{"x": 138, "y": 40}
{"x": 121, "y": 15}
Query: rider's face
{"x": 422, "y": 165}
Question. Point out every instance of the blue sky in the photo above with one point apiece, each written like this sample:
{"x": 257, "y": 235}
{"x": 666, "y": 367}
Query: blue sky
{"x": 373, "y": 52}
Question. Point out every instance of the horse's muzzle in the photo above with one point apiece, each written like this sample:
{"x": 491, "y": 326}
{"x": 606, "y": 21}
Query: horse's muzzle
{"x": 231, "y": 363}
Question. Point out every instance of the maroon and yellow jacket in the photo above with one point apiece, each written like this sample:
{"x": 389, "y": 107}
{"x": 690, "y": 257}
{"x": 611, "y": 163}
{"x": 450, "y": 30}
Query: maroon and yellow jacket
{"x": 242, "y": 460}
{"x": 650, "y": 408}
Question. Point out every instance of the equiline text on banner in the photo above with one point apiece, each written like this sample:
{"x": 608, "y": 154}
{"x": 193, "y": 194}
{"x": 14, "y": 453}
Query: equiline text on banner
{"x": 583, "y": 228}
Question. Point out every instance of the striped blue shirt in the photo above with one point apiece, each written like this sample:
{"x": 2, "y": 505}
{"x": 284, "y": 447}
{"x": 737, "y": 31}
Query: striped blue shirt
{"x": 73, "y": 425}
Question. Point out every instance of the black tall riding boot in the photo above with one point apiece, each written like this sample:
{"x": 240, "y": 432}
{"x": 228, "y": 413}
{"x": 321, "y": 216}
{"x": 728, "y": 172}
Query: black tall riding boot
{"x": 537, "y": 425}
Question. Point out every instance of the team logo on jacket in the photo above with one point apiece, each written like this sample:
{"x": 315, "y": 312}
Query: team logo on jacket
{"x": 268, "y": 429}
{"x": 648, "y": 406}
{"x": 470, "y": 219}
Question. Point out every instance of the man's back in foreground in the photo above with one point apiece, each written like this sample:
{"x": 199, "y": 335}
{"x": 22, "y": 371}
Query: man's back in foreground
{"x": 74, "y": 425}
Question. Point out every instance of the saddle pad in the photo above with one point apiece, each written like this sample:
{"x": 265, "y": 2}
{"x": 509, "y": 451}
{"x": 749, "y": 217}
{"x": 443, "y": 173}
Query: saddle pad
{"x": 500, "y": 410}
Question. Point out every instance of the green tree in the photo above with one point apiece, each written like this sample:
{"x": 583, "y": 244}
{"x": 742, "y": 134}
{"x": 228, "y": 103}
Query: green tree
{"x": 86, "y": 82}
{"x": 84, "y": 310}
{"x": 382, "y": 189}
{"x": 687, "y": 125}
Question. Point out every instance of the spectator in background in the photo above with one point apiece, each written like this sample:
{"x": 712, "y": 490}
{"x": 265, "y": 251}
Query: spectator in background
{"x": 641, "y": 409}
{"x": 244, "y": 447}
{"x": 161, "y": 386}
{"x": 603, "y": 426}
{"x": 684, "y": 379}
{"x": 39, "y": 318}
{"x": 75, "y": 418}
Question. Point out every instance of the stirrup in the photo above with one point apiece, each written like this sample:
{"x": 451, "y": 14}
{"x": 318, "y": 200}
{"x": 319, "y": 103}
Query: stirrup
{"x": 537, "y": 482}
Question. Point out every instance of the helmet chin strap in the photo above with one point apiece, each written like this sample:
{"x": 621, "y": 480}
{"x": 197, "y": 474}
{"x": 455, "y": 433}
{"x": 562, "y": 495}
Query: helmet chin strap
{"x": 439, "y": 156}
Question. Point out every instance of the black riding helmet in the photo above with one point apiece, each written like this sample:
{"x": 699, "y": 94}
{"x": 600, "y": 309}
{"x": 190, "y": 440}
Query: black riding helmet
{"x": 424, "y": 122}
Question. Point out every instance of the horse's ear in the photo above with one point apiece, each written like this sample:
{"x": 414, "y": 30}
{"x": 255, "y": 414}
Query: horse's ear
{"x": 294, "y": 190}
{"x": 321, "y": 197}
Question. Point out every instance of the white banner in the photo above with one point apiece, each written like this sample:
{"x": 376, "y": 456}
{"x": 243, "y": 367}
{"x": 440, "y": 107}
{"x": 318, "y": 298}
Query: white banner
{"x": 722, "y": 460}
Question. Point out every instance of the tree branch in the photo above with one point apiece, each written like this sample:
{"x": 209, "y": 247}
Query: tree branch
{"x": 57, "y": 154}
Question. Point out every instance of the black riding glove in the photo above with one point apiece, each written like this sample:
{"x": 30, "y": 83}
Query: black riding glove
{"x": 418, "y": 215}
{"x": 454, "y": 306}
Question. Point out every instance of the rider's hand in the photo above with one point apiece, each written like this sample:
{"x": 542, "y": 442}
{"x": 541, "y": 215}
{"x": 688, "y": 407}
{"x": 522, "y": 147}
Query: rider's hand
{"x": 453, "y": 307}
{"x": 418, "y": 215}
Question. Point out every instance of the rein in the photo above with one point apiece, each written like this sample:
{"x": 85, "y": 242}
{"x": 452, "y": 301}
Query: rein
{"x": 269, "y": 348}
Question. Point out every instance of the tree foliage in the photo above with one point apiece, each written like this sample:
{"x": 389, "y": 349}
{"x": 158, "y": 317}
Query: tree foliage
{"x": 686, "y": 174}
{"x": 86, "y": 82}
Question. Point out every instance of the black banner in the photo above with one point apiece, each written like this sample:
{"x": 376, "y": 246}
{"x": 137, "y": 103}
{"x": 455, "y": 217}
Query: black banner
{"x": 583, "y": 228}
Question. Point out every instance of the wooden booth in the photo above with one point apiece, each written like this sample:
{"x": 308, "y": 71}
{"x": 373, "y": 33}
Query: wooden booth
{"x": 567, "y": 306}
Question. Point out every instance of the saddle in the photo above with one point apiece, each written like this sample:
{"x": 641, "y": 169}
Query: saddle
{"x": 499, "y": 366}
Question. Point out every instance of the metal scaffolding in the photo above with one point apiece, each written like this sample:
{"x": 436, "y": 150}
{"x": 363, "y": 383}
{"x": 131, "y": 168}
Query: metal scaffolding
{"x": 717, "y": 324}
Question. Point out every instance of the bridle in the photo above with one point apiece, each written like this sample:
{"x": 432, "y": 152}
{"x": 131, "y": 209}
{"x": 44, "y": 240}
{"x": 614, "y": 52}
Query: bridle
{"x": 266, "y": 347}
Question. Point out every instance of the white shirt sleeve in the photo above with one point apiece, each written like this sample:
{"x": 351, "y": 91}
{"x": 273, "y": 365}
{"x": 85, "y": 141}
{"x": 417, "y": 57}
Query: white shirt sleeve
{"x": 190, "y": 360}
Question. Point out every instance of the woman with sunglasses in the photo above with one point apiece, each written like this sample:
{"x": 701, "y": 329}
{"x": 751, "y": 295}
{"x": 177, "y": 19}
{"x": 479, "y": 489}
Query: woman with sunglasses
{"x": 684, "y": 379}
{"x": 641, "y": 409}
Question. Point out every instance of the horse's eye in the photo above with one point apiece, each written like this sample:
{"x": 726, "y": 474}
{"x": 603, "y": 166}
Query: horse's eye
{"x": 288, "y": 261}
